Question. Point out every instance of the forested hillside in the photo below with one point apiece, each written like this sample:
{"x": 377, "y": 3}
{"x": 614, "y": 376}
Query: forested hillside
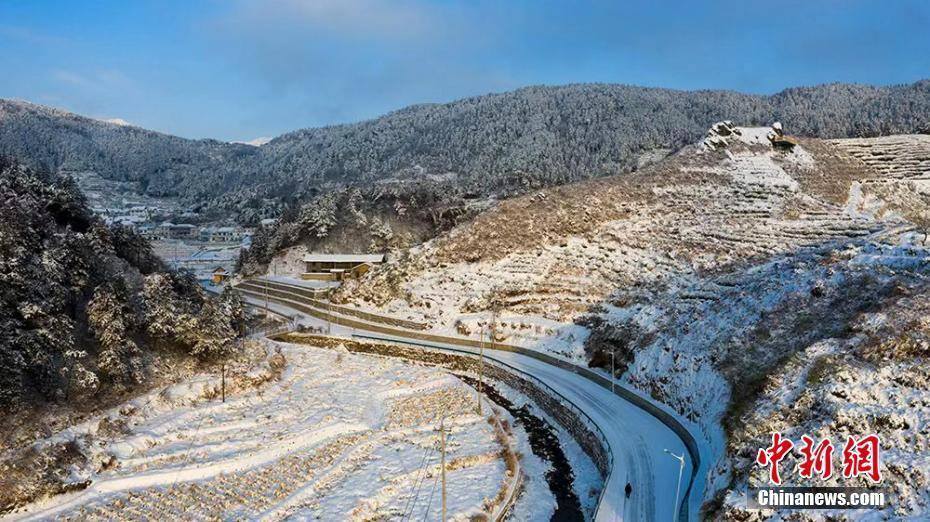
{"x": 399, "y": 179}
{"x": 83, "y": 307}
{"x": 55, "y": 140}
{"x": 532, "y": 137}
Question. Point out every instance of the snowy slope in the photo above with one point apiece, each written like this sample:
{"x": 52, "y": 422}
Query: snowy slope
{"x": 340, "y": 436}
{"x": 700, "y": 274}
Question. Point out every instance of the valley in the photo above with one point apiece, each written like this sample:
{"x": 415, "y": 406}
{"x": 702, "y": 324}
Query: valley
{"x": 633, "y": 281}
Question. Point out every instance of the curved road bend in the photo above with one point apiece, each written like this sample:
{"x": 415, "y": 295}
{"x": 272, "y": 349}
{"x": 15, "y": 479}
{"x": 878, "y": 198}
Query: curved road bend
{"x": 637, "y": 439}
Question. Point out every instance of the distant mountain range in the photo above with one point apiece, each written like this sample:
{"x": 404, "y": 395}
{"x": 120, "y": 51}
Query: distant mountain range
{"x": 498, "y": 144}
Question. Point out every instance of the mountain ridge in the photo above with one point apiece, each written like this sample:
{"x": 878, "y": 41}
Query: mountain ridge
{"x": 489, "y": 146}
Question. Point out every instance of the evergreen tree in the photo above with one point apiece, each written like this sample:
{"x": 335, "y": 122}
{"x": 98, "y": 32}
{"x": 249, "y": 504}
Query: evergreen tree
{"x": 210, "y": 334}
{"x": 111, "y": 320}
{"x": 161, "y": 310}
{"x": 233, "y": 308}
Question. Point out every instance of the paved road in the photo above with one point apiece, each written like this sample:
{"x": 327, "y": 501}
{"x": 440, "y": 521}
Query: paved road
{"x": 637, "y": 439}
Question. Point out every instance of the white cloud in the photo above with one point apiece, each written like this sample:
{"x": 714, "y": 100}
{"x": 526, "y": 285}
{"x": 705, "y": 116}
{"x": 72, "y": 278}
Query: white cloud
{"x": 344, "y": 60}
{"x": 102, "y": 79}
{"x": 71, "y": 78}
{"x": 30, "y": 36}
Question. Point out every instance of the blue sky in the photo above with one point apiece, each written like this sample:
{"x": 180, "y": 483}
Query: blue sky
{"x": 237, "y": 69}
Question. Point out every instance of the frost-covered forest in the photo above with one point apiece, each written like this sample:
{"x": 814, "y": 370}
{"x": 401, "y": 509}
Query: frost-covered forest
{"x": 498, "y": 143}
{"x": 362, "y": 218}
{"x": 404, "y": 177}
{"x": 83, "y": 307}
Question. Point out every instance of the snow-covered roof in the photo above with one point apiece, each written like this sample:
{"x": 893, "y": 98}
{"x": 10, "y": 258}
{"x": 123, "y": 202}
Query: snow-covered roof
{"x": 344, "y": 258}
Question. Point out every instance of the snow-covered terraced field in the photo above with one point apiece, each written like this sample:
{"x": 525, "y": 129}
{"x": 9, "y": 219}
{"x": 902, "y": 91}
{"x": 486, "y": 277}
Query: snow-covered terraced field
{"x": 340, "y": 437}
{"x": 549, "y": 258}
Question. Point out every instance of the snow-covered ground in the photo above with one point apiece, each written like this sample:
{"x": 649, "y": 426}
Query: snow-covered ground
{"x": 870, "y": 379}
{"x": 340, "y": 436}
{"x": 638, "y": 440}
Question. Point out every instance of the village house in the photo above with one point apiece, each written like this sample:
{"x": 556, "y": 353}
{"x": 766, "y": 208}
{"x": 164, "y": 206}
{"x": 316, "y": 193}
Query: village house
{"x": 151, "y": 231}
{"x": 219, "y": 275}
{"x": 173, "y": 231}
{"x": 338, "y": 267}
{"x": 221, "y": 234}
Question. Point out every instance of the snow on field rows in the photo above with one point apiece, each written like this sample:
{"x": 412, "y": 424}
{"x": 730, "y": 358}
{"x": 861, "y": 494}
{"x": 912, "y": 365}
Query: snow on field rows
{"x": 340, "y": 437}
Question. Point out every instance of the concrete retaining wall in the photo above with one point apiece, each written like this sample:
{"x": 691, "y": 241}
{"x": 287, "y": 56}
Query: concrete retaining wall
{"x": 309, "y": 296}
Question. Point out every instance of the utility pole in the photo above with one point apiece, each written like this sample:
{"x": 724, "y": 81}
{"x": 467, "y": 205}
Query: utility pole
{"x": 329, "y": 316}
{"x": 613, "y": 372}
{"x": 480, "y": 371}
{"x": 681, "y": 469}
{"x": 495, "y": 310}
{"x": 493, "y": 328}
{"x": 442, "y": 463}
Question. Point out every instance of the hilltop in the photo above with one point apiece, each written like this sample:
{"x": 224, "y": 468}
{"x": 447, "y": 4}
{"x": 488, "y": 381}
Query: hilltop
{"x": 59, "y": 141}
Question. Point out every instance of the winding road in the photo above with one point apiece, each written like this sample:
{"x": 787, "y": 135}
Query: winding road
{"x": 638, "y": 432}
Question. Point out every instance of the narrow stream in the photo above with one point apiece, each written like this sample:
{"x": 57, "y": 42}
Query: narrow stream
{"x": 545, "y": 445}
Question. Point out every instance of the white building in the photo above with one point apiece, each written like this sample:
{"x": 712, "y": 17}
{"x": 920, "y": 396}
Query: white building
{"x": 221, "y": 234}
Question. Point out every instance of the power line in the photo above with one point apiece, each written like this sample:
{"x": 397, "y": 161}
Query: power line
{"x": 417, "y": 482}
{"x": 419, "y": 487}
{"x": 442, "y": 473}
{"x": 433, "y": 491}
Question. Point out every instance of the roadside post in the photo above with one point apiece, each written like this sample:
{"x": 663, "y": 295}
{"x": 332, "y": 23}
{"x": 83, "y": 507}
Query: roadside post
{"x": 681, "y": 469}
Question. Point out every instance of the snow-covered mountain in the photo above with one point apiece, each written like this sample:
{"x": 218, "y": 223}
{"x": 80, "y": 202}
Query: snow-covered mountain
{"x": 747, "y": 284}
{"x": 499, "y": 144}
{"x": 256, "y": 142}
